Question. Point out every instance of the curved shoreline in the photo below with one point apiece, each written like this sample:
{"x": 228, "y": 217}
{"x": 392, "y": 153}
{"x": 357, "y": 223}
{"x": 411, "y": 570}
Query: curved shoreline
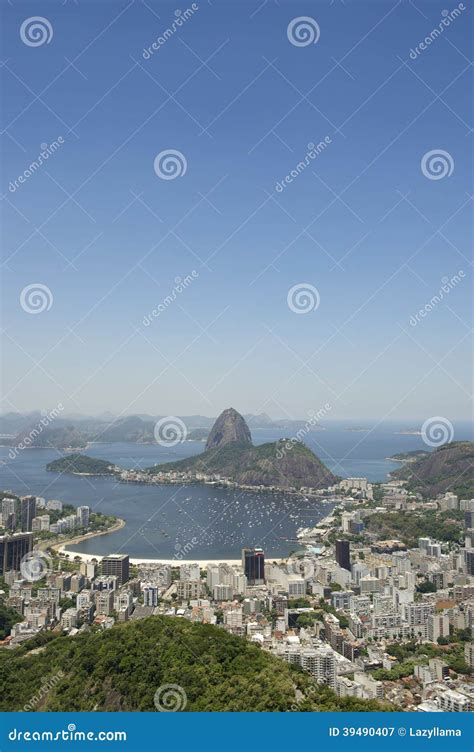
{"x": 60, "y": 548}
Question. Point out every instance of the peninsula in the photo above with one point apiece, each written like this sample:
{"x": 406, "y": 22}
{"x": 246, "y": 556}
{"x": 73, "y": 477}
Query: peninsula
{"x": 229, "y": 458}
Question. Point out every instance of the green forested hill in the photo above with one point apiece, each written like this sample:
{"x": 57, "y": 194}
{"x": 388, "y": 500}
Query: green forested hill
{"x": 80, "y": 463}
{"x": 409, "y": 526}
{"x": 8, "y": 617}
{"x": 120, "y": 669}
{"x": 449, "y": 468}
{"x": 281, "y": 463}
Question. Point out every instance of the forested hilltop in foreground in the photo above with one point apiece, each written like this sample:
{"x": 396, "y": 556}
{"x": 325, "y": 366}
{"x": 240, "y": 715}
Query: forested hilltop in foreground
{"x": 122, "y": 668}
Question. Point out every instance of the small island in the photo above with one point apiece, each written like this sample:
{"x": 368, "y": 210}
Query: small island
{"x": 81, "y": 464}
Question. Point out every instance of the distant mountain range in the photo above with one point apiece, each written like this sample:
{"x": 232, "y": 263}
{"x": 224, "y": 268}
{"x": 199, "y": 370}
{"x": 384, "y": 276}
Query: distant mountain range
{"x": 229, "y": 452}
{"x": 76, "y": 432}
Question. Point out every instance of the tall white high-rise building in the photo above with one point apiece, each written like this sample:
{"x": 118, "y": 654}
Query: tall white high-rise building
{"x": 150, "y": 595}
{"x": 8, "y": 507}
{"x": 438, "y": 626}
{"x": 83, "y": 516}
{"x": 321, "y": 663}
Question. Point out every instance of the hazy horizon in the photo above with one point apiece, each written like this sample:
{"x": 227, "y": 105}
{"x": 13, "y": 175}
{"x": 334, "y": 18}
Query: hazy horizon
{"x": 327, "y": 419}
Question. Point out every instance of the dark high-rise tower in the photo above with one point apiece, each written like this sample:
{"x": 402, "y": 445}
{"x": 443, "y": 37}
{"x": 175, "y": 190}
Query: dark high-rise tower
{"x": 343, "y": 554}
{"x": 118, "y": 565}
{"x": 12, "y": 550}
{"x": 469, "y": 557}
{"x": 27, "y": 512}
{"x": 469, "y": 519}
{"x": 253, "y": 562}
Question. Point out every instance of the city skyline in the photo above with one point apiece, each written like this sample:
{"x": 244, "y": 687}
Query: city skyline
{"x": 312, "y": 251}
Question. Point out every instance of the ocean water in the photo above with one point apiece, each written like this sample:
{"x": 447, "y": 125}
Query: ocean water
{"x": 198, "y": 521}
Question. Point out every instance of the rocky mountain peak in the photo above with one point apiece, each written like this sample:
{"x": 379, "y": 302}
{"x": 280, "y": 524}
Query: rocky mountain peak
{"x": 230, "y": 427}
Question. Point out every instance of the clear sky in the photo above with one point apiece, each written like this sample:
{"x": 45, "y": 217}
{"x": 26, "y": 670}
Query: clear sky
{"x": 362, "y": 222}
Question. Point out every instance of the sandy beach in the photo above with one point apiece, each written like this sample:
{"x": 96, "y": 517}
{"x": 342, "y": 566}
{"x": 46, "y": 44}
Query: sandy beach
{"x": 62, "y": 550}
{"x": 61, "y": 547}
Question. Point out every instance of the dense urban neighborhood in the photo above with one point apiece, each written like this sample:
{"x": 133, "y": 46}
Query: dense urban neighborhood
{"x": 375, "y": 603}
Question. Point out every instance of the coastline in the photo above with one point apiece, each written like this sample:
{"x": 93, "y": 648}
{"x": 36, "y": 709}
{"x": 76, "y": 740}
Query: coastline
{"x": 60, "y": 548}
{"x": 172, "y": 562}
{"x": 224, "y": 483}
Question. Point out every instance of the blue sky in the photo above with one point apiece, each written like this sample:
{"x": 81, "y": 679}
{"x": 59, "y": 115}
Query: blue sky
{"x": 361, "y": 223}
